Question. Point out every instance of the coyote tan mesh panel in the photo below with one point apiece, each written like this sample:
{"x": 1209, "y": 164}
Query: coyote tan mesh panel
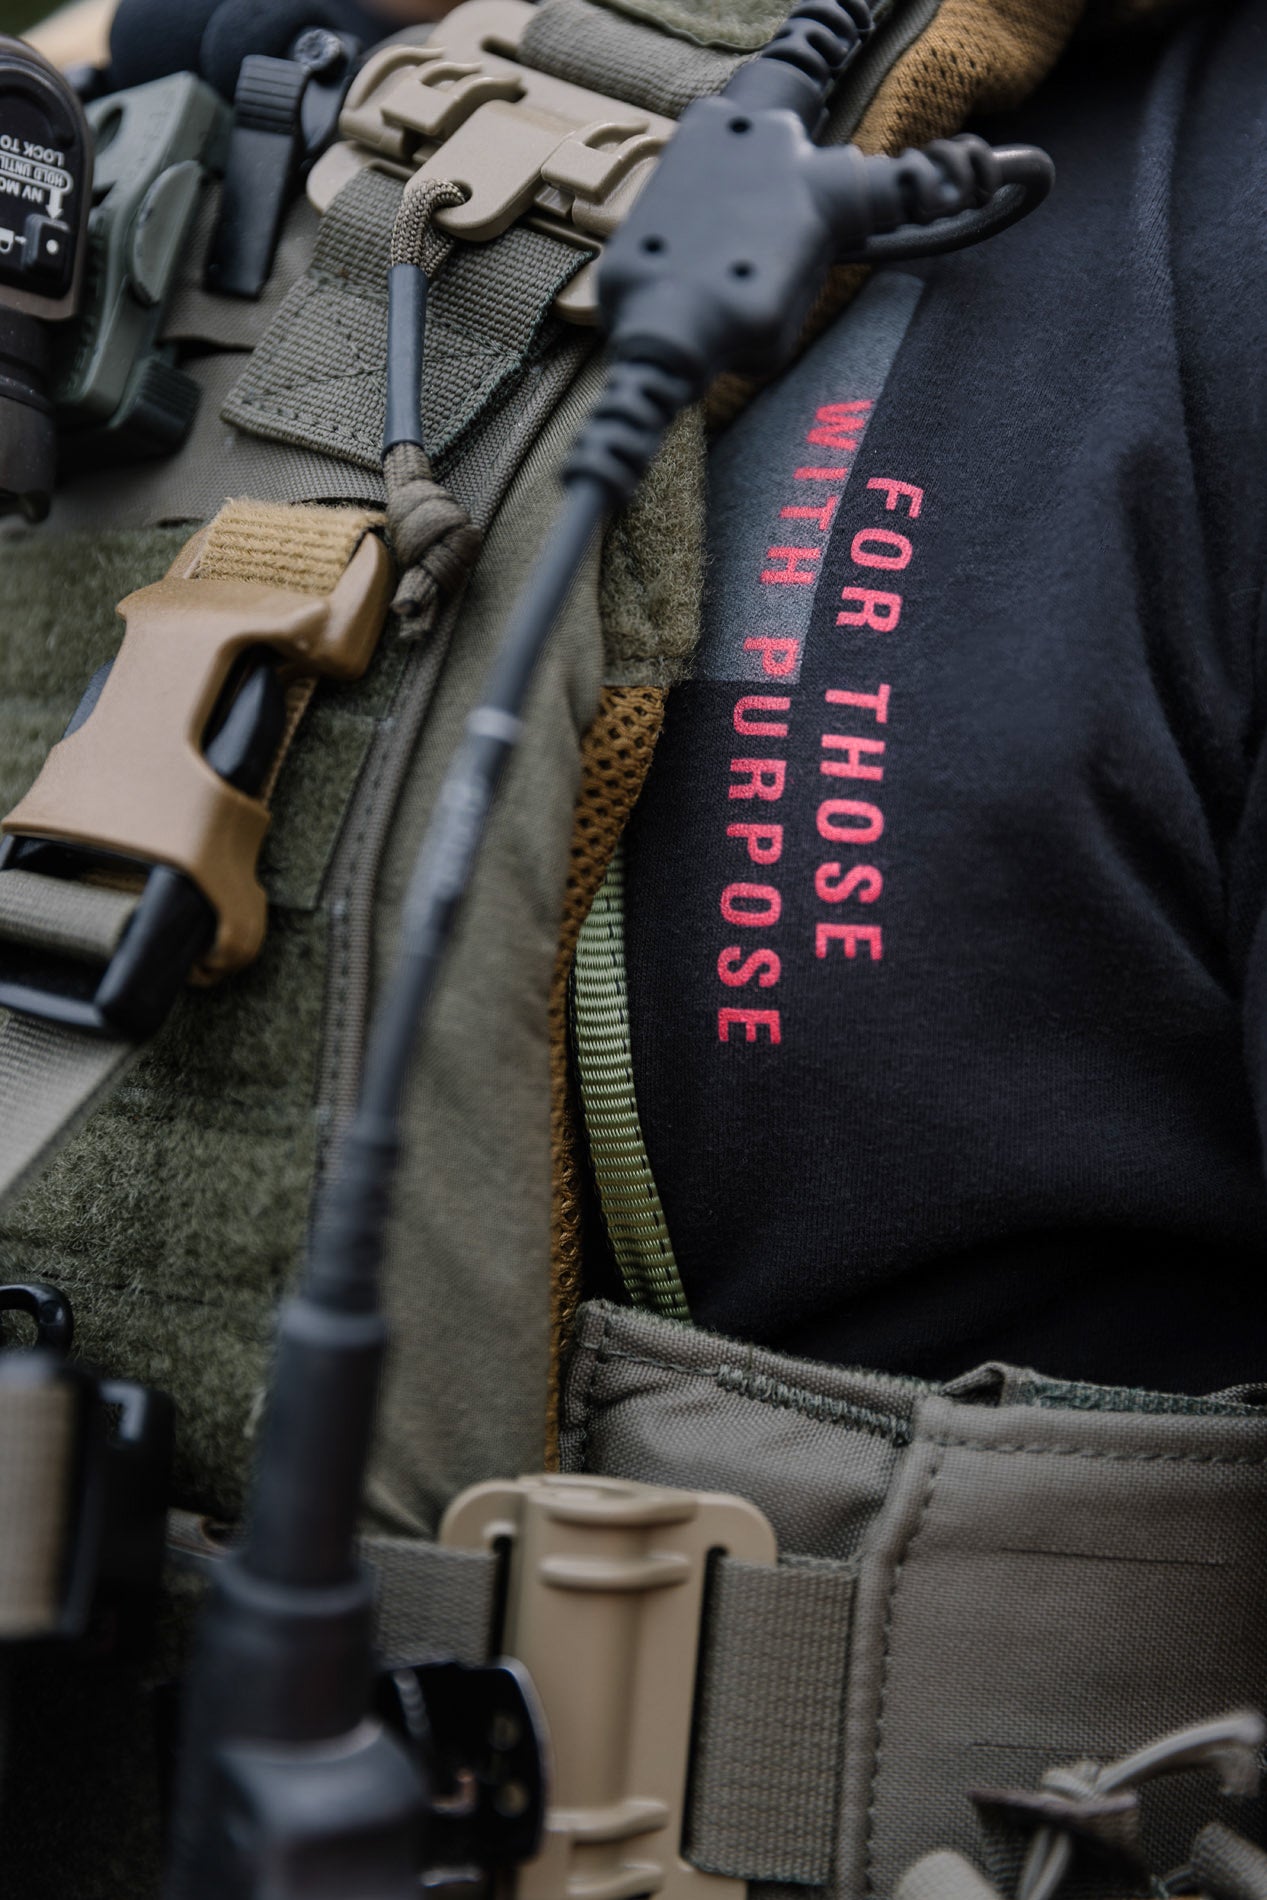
{"x": 614, "y": 762}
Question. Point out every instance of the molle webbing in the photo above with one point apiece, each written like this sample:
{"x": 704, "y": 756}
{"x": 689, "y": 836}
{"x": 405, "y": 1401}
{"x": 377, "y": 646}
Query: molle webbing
{"x": 318, "y": 380}
{"x": 995, "y": 1589}
{"x": 591, "y": 46}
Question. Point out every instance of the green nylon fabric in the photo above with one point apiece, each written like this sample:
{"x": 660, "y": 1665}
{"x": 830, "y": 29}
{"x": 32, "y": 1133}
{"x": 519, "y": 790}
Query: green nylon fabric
{"x": 627, "y": 1193}
{"x": 318, "y": 380}
{"x": 1014, "y": 1582}
{"x": 591, "y": 46}
{"x": 173, "y": 1219}
{"x": 739, "y": 26}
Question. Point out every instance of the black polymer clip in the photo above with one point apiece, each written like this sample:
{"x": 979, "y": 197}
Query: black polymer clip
{"x": 285, "y": 113}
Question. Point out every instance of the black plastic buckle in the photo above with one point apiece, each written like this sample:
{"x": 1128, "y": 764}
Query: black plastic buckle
{"x": 285, "y": 113}
{"x": 173, "y": 924}
{"x": 480, "y": 1738}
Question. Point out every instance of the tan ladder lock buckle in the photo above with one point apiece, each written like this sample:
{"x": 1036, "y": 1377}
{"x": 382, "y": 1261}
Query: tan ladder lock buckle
{"x": 136, "y": 847}
{"x": 605, "y": 1598}
{"x": 462, "y": 109}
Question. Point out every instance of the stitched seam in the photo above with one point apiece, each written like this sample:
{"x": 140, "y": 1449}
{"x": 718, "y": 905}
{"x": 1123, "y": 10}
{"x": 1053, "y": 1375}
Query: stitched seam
{"x": 588, "y": 1401}
{"x": 359, "y": 815}
{"x": 813, "y": 1405}
{"x": 890, "y": 1609}
{"x": 717, "y": 1376}
{"x": 1114, "y": 1457}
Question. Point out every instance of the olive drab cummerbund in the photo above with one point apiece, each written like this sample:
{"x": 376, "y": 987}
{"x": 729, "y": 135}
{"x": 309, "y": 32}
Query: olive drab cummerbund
{"x": 975, "y": 1584}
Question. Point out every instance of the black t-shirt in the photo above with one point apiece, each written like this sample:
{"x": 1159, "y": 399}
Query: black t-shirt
{"x": 946, "y": 958}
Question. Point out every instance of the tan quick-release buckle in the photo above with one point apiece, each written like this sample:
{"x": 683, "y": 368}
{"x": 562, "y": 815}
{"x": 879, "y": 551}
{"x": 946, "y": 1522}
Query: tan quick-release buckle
{"x": 524, "y": 145}
{"x": 604, "y": 1604}
{"x": 132, "y": 782}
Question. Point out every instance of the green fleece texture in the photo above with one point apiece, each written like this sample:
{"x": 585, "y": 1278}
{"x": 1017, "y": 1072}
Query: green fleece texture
{"x": 653, "y": 567}
{"x": 175, "y": 1218}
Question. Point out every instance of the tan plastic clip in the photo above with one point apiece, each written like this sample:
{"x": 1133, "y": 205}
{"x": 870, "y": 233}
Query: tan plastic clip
{"x": 132, "y": 781}
{"x": 604, "y": 1603}
{"x": 525, "y": 145}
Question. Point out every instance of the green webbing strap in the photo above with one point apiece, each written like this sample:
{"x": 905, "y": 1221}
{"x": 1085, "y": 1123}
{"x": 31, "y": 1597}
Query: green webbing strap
{"x": 85, "y": 921}
{"x": 50, "y": 1077}
{"x": 631, "y": 1207}
{"x": 50, "y": 1081}
{"x": 431, "y": 1602}
{"x": 765, "y": 1772}
{"x": 592, "y": 46}
{"x": 739, "y": 26}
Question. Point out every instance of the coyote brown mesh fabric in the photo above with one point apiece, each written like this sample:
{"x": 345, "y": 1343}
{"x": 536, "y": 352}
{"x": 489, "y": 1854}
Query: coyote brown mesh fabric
{"x": 614, "y": 762}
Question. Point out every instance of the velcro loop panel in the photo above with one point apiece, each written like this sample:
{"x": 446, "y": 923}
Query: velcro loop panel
{"x": 51, "y": 1078}
{"x": 766, "y": 1773}
{"x": 37, "y": 1444}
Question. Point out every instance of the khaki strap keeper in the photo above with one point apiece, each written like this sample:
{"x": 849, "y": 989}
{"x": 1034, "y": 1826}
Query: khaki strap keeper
{"x": 132, "y": 780}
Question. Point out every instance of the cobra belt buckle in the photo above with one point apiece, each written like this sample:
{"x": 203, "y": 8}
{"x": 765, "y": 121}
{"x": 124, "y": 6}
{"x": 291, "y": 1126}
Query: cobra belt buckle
{"x": 149, "y": 812}
{"x": 524, "y": 145}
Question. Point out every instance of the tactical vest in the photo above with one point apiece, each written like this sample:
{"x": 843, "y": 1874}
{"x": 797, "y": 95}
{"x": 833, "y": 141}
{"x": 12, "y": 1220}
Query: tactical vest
{"x": 792, "y": 1625}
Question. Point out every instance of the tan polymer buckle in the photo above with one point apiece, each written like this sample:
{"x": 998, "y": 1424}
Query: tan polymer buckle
{"x": 604, "y": 1603}
{"x": 525, "y": 145}
{"x": 132, "y": 783}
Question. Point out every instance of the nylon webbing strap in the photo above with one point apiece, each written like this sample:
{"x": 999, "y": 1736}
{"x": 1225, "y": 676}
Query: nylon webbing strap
{"x": 37, "y": 1443}
{"x": 766, "y": 1770}
{"x": 51, "y": 1078}
{"x": 319, "y": 379}
{"x": 592, "y": 46}
{"x": 431, "y": 1602}
{"x": 73, "y": 920}
{"x": 627, "y": 1191}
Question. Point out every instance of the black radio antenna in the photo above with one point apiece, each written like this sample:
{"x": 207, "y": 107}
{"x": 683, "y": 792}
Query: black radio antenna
{"x": 715, "y": 269}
